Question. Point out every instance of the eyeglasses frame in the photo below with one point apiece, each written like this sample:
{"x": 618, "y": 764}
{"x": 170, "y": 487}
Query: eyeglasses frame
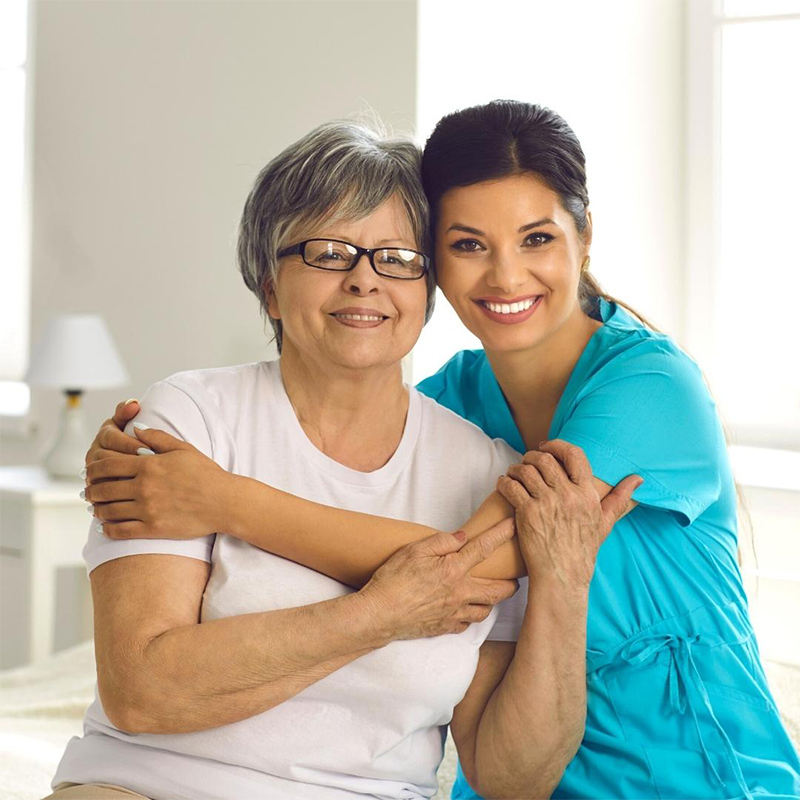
{"x": 369, "y": 252}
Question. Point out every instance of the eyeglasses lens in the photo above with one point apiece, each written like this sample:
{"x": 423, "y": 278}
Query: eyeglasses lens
{"x": 393, "y": 262}
{"x": 398, "y": 263}
{"x": 329, "y": 255}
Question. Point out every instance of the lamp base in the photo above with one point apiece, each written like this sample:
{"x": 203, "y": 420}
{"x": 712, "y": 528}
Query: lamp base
{"x": 67, "y": 457}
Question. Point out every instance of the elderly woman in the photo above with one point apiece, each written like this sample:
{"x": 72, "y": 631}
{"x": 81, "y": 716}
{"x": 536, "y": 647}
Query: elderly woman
{"x": 225, "y": 671}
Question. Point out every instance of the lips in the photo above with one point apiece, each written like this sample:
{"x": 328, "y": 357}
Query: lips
{"x": 359, "y": 314}
{"x": 359, "y": 317}
{"x": 509, "y": 311}
{"x": 510, "y": 306}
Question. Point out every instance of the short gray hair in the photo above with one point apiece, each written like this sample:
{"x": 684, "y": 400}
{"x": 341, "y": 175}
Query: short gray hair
{"x": 340, "y": 171}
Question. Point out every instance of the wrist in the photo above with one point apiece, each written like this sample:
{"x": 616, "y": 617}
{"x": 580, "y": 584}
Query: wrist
{"x": 378, "y": 625}
{"x": 229, "y": 502}
{"x": 550, "y": 590}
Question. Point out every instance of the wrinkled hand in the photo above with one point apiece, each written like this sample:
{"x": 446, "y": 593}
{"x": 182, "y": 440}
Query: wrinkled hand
{"x": 178, "y": 493}
{"x": 561, "y": 521}
{"x": 425, "y": 588}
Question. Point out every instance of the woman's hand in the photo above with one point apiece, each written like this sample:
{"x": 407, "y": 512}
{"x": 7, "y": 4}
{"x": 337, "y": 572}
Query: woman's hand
{"x": 110, "y": 439}
{"x": 176, "y": 493}
{"x": 561, "y": 521}
{"x": 425, "y": 588}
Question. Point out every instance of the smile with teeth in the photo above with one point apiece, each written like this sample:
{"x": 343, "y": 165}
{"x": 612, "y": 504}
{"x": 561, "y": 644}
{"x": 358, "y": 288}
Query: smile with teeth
{"x": 360, "y": 317}
{"x": 510, "y": 308}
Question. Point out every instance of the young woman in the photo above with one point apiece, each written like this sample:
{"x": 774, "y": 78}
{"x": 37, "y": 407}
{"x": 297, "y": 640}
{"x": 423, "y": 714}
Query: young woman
{"x": 678, "y": 704}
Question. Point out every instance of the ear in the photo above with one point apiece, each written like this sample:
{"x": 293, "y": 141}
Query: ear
{"x": 587, "y": 232}
{"x": 272, "y": 300}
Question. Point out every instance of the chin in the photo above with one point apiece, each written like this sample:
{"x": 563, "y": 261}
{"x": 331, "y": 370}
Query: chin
{"x": 507, "y": 338}
{"x": 362, "y": 359}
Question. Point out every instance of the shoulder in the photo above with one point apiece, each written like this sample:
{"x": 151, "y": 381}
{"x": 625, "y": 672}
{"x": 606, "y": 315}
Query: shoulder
{"x": 637, "y": 360}
{"x": 217, "y": 392}
{"x": 201, "y": 384}
{"x": 200, "y": 405}
{"x": 453, "y": 376}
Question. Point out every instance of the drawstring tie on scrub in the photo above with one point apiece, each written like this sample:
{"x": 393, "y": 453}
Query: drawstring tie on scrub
{"x": 683, "y": 676}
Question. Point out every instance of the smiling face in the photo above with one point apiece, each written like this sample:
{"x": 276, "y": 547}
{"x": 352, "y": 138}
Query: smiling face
{"x": 356, "y": 319}
{"x": 508, "y": 259}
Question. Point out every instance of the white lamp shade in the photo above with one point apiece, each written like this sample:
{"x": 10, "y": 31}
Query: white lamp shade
{"x": 76, "y": 352}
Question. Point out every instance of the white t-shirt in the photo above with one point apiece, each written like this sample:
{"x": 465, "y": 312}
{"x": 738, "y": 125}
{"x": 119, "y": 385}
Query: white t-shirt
{"x": 372, "y": 728}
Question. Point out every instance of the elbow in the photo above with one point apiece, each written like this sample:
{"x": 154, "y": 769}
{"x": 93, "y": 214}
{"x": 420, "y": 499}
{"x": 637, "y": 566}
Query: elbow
{"x": 537, "y": 782}
{"x": 126, "y": 709}
{"x": 539, "y": 789}
{"x": 132, "y": 721}
{"x": 129, "y": 717}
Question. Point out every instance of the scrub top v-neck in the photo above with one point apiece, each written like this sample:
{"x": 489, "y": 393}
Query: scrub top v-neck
{"x": 678, "y": 704}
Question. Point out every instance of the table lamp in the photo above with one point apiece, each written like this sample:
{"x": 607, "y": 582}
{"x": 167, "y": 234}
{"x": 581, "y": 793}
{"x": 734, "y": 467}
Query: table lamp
{"x": 75, "y": 353}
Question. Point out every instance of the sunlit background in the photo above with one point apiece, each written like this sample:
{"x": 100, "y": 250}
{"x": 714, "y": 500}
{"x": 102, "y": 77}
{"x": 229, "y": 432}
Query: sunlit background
{"x": 130, "y": 133}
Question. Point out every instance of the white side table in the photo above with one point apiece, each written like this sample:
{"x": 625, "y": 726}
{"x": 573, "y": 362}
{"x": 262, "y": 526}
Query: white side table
{"x": 43, "y": 526}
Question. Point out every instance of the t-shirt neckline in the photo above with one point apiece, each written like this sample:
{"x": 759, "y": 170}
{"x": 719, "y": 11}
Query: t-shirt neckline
{"x": 308, "y": 450}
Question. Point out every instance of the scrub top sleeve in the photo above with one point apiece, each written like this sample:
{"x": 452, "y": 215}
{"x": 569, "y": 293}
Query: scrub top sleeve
{"x": 647, "y": 411}
{"x": 171, "y": 409}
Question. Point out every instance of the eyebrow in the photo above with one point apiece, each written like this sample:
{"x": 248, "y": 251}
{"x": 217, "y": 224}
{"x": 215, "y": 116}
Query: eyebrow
{"x": 381, "y": 243}
{"x": 466, "y": 229}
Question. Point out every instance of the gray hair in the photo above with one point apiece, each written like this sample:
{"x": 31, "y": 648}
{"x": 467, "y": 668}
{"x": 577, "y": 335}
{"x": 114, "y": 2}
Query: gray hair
{"x": 340, "y": 171}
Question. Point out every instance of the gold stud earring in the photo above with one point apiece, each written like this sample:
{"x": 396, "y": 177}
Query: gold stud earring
{"x": 586, "y": 263}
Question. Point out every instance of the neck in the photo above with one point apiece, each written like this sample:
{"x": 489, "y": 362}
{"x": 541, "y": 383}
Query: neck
{"x": 534, "y": 379}
{"x": 354, "y": 416}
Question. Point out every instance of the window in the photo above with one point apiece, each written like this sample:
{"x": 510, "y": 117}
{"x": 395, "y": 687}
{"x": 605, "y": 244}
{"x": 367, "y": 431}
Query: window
{"x": 743, "y": 174}
{"x": 14, "y": 275}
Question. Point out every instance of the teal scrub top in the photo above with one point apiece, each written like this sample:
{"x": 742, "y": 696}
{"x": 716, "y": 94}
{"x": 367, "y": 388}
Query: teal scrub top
{"x": 677, "y": 702}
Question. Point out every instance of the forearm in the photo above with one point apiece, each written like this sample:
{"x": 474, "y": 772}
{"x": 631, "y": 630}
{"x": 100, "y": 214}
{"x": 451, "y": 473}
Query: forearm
{"x": 346, "y": 545}
{"x": 533, "y": 724}
{"x": 201, "y": 676}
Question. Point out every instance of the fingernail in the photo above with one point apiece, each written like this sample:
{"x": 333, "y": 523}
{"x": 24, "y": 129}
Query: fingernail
{"x": 141, "y": 426}
{"x": 460, "y": 535}
{"x": 99, "y": 527}
{"x": 83, "y": 473}
{"x": 641, "y": 481}
{"x": 90, "y": 509}
{"x": 83, "y": 494}
{"x": 541, "y": 444}
{"x": 145, "y": 451}
{"x": 131, "y": 400}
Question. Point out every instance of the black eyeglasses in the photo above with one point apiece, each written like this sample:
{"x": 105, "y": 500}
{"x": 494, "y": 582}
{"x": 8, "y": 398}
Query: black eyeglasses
{"x": 338, "y": 256}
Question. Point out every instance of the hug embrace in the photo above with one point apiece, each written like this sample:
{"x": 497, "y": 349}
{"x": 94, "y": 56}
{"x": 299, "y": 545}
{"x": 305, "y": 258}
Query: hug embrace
{"x": 304, "y": 570}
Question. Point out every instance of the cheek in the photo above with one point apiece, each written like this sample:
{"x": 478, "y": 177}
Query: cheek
{"x": 411, "y": 305}
{"x": 455, "y": 278}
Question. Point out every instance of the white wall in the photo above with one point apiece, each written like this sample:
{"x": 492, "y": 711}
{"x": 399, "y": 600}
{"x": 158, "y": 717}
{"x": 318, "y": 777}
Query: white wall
{"x": 614, "y": 71}
{"x": 151, "y": 121}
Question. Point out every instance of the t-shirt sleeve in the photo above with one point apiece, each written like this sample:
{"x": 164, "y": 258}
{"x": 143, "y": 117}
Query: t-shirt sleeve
{"x": 169, "y": 408}
{"x": 648, "y": 411}
{"x": 508, "y": 624}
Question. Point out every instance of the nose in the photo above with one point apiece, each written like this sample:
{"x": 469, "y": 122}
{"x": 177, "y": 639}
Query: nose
{"x": 506, "y": 273}
{"x": 362, "y": 279}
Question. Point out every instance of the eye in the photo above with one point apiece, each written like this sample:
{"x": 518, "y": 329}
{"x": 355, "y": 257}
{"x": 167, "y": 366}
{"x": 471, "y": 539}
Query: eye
{"x": 467, "y": 245}
{"x": 388, "y": 257}
{"x": 538, "y": 239}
